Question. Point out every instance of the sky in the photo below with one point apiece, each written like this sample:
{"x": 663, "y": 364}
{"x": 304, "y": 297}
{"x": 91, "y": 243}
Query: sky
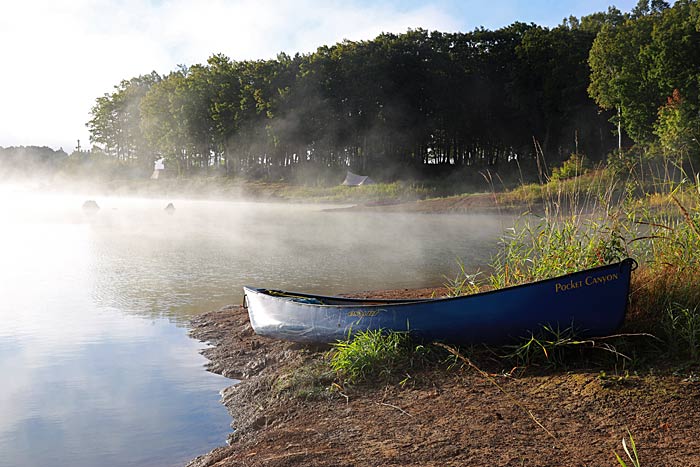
{"x": 58, "y": 56}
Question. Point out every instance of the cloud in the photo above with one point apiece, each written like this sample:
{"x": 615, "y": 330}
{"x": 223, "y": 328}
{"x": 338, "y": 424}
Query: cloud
{"x": 254, "y": 29}
{"x": 59, "y": 56}
{"x": 57, "y": 62}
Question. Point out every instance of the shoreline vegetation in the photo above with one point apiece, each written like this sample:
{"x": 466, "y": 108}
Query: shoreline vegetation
{"x": 551, "y": 399}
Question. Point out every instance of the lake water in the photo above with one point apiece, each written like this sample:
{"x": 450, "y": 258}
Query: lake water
{"x": 96, "y": 364}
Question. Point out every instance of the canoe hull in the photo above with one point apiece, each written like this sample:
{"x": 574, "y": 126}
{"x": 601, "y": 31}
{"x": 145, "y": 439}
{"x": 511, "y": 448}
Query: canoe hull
{"x": 593, "y": 302}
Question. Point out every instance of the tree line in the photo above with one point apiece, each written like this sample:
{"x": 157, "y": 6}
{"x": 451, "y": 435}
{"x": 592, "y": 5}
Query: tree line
{"x": 421, "y": 103}
{"x": 400, "y": 104}
{"x": 28, "y": 161}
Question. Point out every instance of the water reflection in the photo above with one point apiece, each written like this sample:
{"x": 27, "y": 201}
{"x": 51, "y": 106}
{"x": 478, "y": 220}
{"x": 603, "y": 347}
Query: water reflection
{"x": 113, "y": 400}
{"x": 84, "y": 383}
{"x": 210, "y": 250}
{"x": 98, "y": 369}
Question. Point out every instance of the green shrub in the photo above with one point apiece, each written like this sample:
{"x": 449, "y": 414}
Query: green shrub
{"x": 573, "y": 167}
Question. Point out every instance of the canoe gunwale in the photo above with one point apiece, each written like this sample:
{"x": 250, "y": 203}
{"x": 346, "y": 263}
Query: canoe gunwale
{"x": 494, "y": 317}
{"x": 350, "y": 302}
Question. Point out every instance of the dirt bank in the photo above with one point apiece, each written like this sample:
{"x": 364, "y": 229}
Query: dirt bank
{"x": 441, "y": 417}
{"x": 460, "y": 204}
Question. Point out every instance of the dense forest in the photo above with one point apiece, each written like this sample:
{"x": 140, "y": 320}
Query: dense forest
{"x": 421, "y": 103}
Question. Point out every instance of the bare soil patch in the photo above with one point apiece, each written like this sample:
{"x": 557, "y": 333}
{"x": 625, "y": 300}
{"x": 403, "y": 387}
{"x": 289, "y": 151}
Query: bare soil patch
{"x": 441, "y": 417}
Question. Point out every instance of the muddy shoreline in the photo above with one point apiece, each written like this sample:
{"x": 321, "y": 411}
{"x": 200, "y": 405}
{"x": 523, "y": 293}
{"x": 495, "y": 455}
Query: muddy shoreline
{"x": 442, "y": 416}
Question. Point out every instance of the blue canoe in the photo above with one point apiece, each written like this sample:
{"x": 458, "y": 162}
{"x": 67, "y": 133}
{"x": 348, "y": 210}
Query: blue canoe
{"x": 592, "y": 301}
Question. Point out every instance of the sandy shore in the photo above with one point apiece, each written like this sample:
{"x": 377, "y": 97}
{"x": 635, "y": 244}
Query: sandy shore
{"x": 442, "y": 416}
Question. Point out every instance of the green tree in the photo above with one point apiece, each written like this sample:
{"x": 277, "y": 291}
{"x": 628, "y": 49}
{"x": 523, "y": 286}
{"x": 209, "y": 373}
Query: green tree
{"x": 162, "y": 122}
{"x": 116, "y": 121}
{"x": 619, "y": 60}
{"x": 225, "y": 86}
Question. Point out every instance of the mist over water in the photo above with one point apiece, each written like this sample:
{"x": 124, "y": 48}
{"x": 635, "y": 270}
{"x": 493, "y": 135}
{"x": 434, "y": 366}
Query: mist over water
{"x": 94, "y": 344}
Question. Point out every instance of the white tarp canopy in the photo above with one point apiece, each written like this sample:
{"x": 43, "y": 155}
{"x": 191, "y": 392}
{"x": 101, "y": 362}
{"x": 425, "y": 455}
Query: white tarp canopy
{"x": 158, "y": 167}
{"x": 352, "y": 179}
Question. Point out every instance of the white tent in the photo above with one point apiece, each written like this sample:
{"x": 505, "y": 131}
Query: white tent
{"x": 352, "y": 179}
{"x": 158, "y": 167}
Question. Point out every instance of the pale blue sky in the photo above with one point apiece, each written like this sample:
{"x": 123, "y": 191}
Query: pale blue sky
{"x": 469, "y": 14}
{"x": 59, "y": 56}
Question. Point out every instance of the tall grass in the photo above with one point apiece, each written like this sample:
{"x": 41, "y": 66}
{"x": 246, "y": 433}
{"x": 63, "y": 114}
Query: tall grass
{"x": 583, "y": 193}
{"x": 682, "y": 330}
{"x": 600, "y": 218}
{"x": 539, "y": 249}
{"x": 463, "y": 283}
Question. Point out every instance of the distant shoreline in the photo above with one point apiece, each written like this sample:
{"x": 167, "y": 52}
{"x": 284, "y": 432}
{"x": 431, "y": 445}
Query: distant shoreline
{"x": 215, "y": 189}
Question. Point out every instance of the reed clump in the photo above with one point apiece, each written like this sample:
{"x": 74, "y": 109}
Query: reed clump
{"x": 599, "y": 218}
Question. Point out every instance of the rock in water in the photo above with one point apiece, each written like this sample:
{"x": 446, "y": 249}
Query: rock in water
{"x": 90, "y": 206}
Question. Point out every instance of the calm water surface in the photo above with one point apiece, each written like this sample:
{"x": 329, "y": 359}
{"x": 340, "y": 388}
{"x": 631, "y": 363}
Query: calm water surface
{"x": 96, "y": 364}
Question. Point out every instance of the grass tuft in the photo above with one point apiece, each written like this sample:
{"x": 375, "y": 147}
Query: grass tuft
{"x": 377, "y": 355}
{"x": 682, "y": 331}
{"x": 556, "y": 348}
